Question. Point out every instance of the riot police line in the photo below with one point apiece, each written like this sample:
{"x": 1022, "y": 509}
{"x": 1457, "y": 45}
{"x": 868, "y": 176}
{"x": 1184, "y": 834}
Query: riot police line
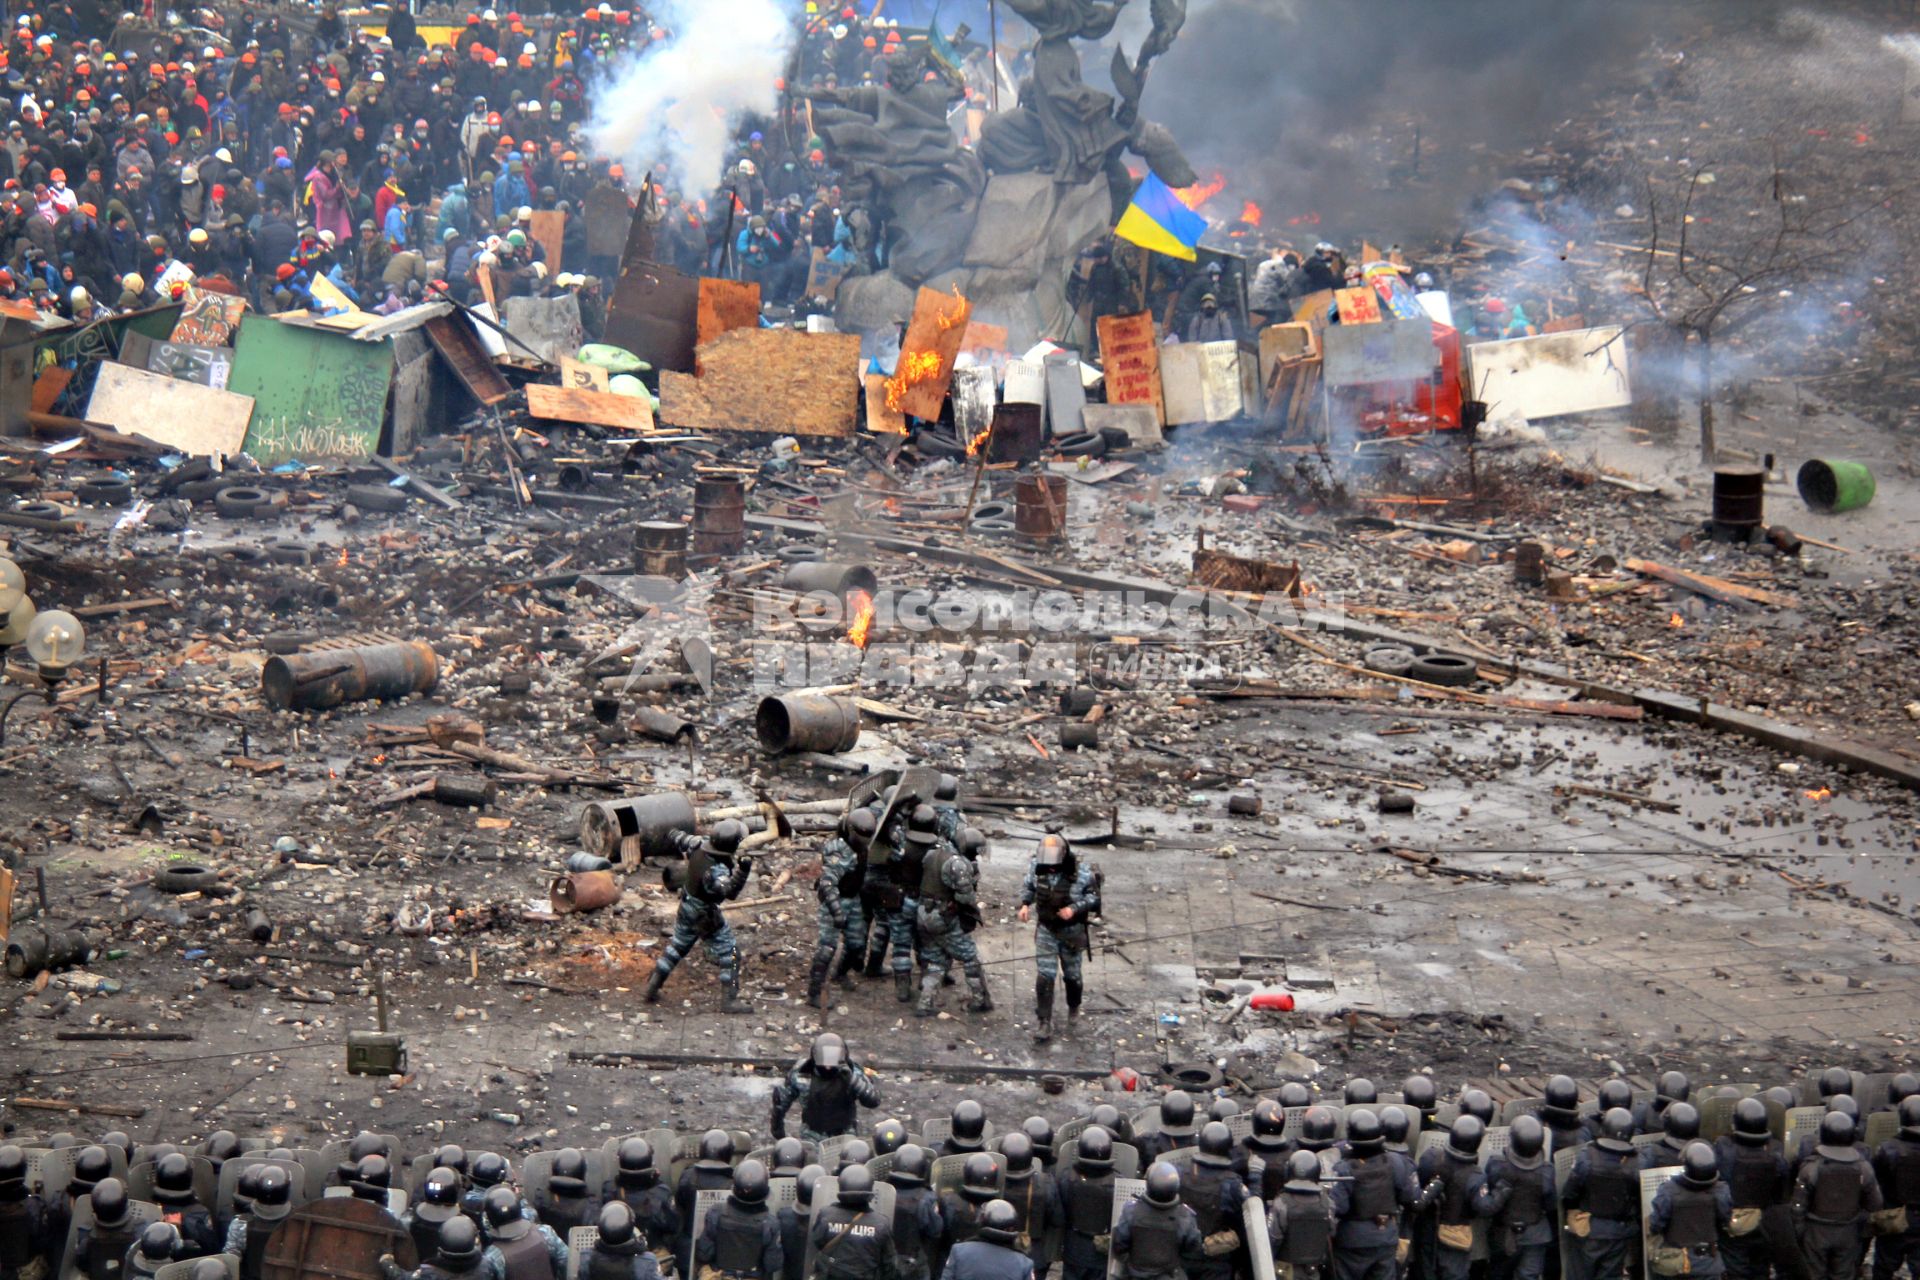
{"x": 1796, "y": 1183}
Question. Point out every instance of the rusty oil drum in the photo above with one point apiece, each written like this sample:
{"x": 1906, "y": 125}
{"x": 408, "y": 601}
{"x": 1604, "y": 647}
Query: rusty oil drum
{"x": 660, "y": 549}
{"x": 1040, "y": 508}
{"x": 719, "y": 517}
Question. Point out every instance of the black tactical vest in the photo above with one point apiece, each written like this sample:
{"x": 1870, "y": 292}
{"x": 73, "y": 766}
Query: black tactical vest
{"x": 16, "y": 1234}
{"x": 1156, "y": 1240}
{"x": 906, "y": 866}
{"x": 933, "y": 886}
{"x": 1836, "y": 1195}
{"x": 1372, "y": 1189}
{"x": 602, "y": 1265}
{"x": 1694, "y": 1220}
{"x": 260, "y": 1233}
{"x": 1052, "y": 894}
{"x": 907, "y": 1240}
{"x": 526, "y": 1258}
{"x": 107, "y": 1250}
{"x": 1906, "y": 1174}
{"x": 1524, "y": 1202}
{"x": 426, "y": 1235}
{"x": 1090, "y": 1205}
{"x": 1754, "y": 1179}
{"x": 851, "y": 880}
{"x": 1456, "y": 1204}
{"x": 857, "y": 1244}
{"x": 1309, "y": 1239}
{"x": 739, "y": 1250}
{"x": 1613, "y": 1187}
{"x": 1200, "y": 1192}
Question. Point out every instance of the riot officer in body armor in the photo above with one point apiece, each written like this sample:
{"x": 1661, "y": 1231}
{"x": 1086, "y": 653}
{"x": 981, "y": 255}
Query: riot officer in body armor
{"x": 637, "y": 1184}
{"x": 880, "y": 891}
{"x": 1418, "y": 1092}
{"x": 173, "y": 1189}
{"x": 830, "y": 1087}
{"x": 919, "y": 840}
{"x": 1040, "y": 1129}
{"x": 1614, "y": 1095}
{"x": 1059, "y": 895}
{"x": 1372, "y": 1191}
{"x": 1518, "y": 1195}
{"x": 1680, "y": 1125}
{"x": 1261, "y": 1161}
{"x": 1897, "y": 1167}
{"x": 457, "y": 1255}
{"x": 1086, "y": 1194}
{"x": 1035, "y": 1198}
{"x": 947, "y": 818}
{"x": 249, "y": 1232}
{"x": 1602, "y": 1199}
{"x": 158, "y": 1245}
{"x": 518, "y": 1248}
{"x": 949, "y": 911}
{"x": 850, "y": 1240}
{"x": 969, "y": 1129}
{"x": 1157, "y": 1236}
{"x": 918, "y": 1223}
{"x": 712, "y": 1170}
{"x": 620, "y": 1252}
{"x": 789, "y": 1158}
{"x": 1756, "y": 1175}
{"x": 1691, "y": 1212}
{"x": 90, "y": 1166}
{"x": 1672, "y": 1087}
{"x": 1833, "y": 1196}
{"x": 960, "y": 1208}
{"x": 570, "y": 1202}
{"x": 741, "y": 1240}
{"x": 843, "y": 873}
{"x": 1452, "y": 1192}
{"x": 1561, "y": 1114}
{"x": 1176, "y": 1130}
{"x": 714, "y": 877}
{"x": 21, "y": 1216}
{"x": 1300, "y": 1221}
{"x": 100, "y": 1250}
{"x": 796, "y": 1221}
{"x": 1215, "y": 1193}
{"x": 994, "y": 1254}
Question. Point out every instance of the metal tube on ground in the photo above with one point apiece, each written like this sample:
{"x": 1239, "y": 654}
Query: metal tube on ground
{"x": 329, "y": 677}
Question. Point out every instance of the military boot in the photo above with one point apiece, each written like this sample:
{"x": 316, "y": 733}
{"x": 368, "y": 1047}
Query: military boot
{"x": 730, "y": 1001}
{"x": 1074, "y": 988}
{"x": 1043, "y": 1010}
{"x": 817, "y": 980}
{"x": 654, "y": 983}
{"x": 903, "y": 985}
{"x": 876, "y": 960}
{"x": 929, "y": 988}
{"x": 850, "y": 966}
{"x": 977, "y": 984}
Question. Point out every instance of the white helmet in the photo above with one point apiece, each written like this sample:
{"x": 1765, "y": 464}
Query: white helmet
{"x": 747, "y": 169}
{"x": 80, "y": 297}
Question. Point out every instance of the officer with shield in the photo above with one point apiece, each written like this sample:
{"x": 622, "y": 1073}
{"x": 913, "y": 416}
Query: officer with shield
{"x": 830, "y": 1088}
{"x": 21, "y": 1218}
{"x": 1602, "y": 1200}
{"x": 850, "y": 1240}
{"x": 919, "y": 1225}
{"x": 1300, "y": 1223}
{"x": 796, "y": 1222}
{"x": 457, "y": 1255}
{"x": 637, "y": 1184}
{"x": 100, "y": 1249}
{"x": 1755, "y": 1171}
{"x": 619, "y": 1250}
{"x": 1833, "y": 1196}
{"x": 1086, "y": 1193}
{"x": 439, "y": 1201}
{"x": 1689, "y": 1218}
{"x": 1452, "y": 1192}
{"x": 714, "y": 876}
{"x": 1035, "y": 1198}
{"x": 1215, "y": 1194}
{"x": 741, "y": 1240}
{"x": 712, "y": 1170}
{"x": 1518, "y": 1195}
{"x": 1158, "y": 1237}
{"x": 1369, "y": 1194}
{"x": 843, "y": 874}
{"x": 1897, "y": 1166}
{"x": 518, "y": 1248}
{"x": 1061, "y": 895}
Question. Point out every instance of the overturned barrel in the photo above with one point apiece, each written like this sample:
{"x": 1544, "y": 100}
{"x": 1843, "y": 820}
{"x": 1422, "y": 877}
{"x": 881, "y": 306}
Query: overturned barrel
{"x": 826, "y": 575}
{"x": 583, "y": 891}
{"x": 329, "y": 677}
{"x": 719, "y": 517}
{"x": 1833, "y": 484}
{"x": 660, "y": 549}
{"x": 807, "y": 722}
{"x": 32, "y": 951}
{"x": 1040, "y": 508}
{"x": 638, "y": 827}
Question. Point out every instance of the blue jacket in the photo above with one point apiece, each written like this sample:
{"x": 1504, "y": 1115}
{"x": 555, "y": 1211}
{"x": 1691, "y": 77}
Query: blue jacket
{"x": 396, "y": 228}
{"x": 510, "y": 192}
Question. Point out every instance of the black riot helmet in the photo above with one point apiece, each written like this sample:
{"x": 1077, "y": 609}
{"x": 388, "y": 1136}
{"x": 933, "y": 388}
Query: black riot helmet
{"x": 1673, "y": 1086}
{"x": 89, "y": 1167}
{"x": 809, "y": 1179}
{"x": 442, "y": 1187}
{"x": 1222, "y": 1109}
{"x": 636, "y": 1169}
{"x": 490, "y": 1169}
{"x": 1526, "y": 1139}
{"x": 1419, "y": 1093}
{"x": 888, "y": 1137}
{"x": 971, "y": 842}
{"x": 1697, "y": 1165}
{"x": 1163, "y": 1184}
{"x": 220, "y": 1146}
{"x": 273, "y": 1187}
{"x": 1269, "y": 1122}
{"x": 1040, "y": 1129}
{"x": 571, "y": 1164}
{"x": 856, "y": 1187}
{"x": 969, "y": 1122}
{"x": 1000, "y": 1223}
{"x": 750, "y": 1182}
{"x": 829, "y": 1053}
{"x": 911, "y": 1165}
{"x": 946, "y": 789}
{"x": 979, "y": 1178}
{"x": 1680, "y": 1123}
{"x": 862, "y": 826}
{"x": 451, "y": 1155}
{"x": 923, "y": 825}
{"x": 1563, "y": 1094}
{"x": 366, "y": 1144}
{"x": 1360, "y": 1091}
{"x": 1844, "y": 1103}
{"x": 459, "y": 1246}
{"x": 1476, "y": 1103}
{"x": 855, "y": 1152}
{"x": 158, "y": 1243}
{"x": 1750, "y": 1122}
{"x": 1616, "y": 1093}
{"x": 1319, "y": 1128}
{"x": 1215, "y": 1146}
{"x": 1782, "y": 1097}
{"x": 246, "y": 1186}
{"x": 1295, "y": 1094}
{"x": 1901, "y": 1087}
{"x": 726, "y": 836}
{"x": 1616, "y": 1130}
{"x": 501, "y": 1208}
{"x": 1910, "y": 1115}
{"x": 1836, "y": 1131}
{"x": 1364, "y": 1132}
{"x": 1835, "y": 1080}
{"x": 1094, "y": 1150}
{"x": 716, "y": 1147}
{"x": 173, "y": 1179}
{"x": 1395, "y": 1125}
{"x": 1463, "y": 1140}
{"x": 371, "y": 1179}
{"x": 1176, "y": 1113}
{"x": 62, "y": 1141}
{"x": 789, "y": 1154}
{"x": 616, "y": 1225}
{"x": 1017, "y": 1148}
{"x": 1054, "y": 854}
{"x": 13, "y": 1164}
{"x": 1303, "y": 1171}
{"x": 110, "y": 1207}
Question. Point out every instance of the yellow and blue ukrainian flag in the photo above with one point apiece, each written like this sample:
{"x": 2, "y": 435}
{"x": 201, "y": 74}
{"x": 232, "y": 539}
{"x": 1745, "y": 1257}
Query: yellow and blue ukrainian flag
{"x": 1157, "y": 220}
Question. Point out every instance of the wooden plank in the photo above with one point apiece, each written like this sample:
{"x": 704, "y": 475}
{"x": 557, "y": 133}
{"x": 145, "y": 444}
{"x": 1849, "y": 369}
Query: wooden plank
{"x": 549, "y": 227}
{"x": 879, "y": 417}
{"x": 199, "y": 421}
{"x": 1131, "y": 357}
{"x": 48, "y": 386}
{"x": 1357, "y": 306}
{"x": 1713, "y": 588}
{"x": 773, "y": 380}
{"x": 337, "y": 1238}
{"x": 581, "y": 376}
{"x": 453, "y": 338}
{"x": 602, "y": 408}
{"x": 824, "y": 275}
{"x": 919, "y": 384}
{"x": 722, "y": 306}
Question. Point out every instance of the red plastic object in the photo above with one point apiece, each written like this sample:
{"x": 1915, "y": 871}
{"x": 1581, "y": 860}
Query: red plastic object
{"x": 1279, "y": 1001}
{"x": 1128, "y": 1078}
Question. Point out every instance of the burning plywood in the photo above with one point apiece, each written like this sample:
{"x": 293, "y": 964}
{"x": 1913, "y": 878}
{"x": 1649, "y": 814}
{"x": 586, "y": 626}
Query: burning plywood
{"x": 772, "y": 380}
{"x": 920, "y": 379}
{"x": 1131, "y": 357}
{"x": 1553, "y": 374}
{"x": 879, "y": 417}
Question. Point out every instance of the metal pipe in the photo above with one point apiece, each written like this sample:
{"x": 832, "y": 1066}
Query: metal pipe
{"x": 31, "y": 950}
{"x": 329, "y": 677}
{"x": 836, "y": 578}
{"x": 807, "y": 723}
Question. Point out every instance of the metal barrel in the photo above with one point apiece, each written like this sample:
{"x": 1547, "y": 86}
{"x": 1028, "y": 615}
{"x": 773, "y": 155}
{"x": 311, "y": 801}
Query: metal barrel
{"x": 1739, "y": 499}
{"x": 583, "y": 891}
{"x": 660, "y": 549}
{"x": 329, "y": 677}
{"x": 1040, "y": 507}
{"x": 1834, "y": 484}
{"x": 1529, "y": 562}
{"x": 638, "y": 827}
{"x": 1017, "y": 434}
{"x": 719, "y": 516}
{"x": 1078, "y": 735}
{"x": 807, "y": 722}
{"x": 826, "y": 575}
{"x": 31, "y": 950}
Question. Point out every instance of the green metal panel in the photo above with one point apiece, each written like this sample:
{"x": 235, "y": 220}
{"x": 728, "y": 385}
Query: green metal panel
{"x": 316, "y": 394}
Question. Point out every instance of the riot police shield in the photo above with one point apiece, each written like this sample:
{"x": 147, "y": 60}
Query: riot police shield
{"x": 185, "y": 1270}
{"x": 139, "y": 1214}
{"x": 827, "y": 1155}
{"x": 206, "y": 1183}
{"x": 916, "y": 786}
{"x": 395, "y": 1203}
{"x": 666, "y": 1147}
{"x": 1880, "y": 1128}
{"x": 1562, "y": 1170}
{"x": 881, "y": 1166}
{"x": 1180, "y": 1158}
{"x": 947, "y": 1171}
{"x": 826, "y": 1191}
{"x": 1126, "y": 1158}
{"x": 1253, "y": 1228}
{"x": 1802, "y": 1126}
{"x": 231, "y": 1170}
{"x": 334, "y": 1154}
{"x": 765, "y": 1155}
{"x": 1514, "y": 1107}
{"x": 579, "y": 1240}
{"x": 1650, "y": 1180}
{"x": 1069, "y": 1131}
{"x": 536, "y": 1176}
{"x": 1124, "y": 1191}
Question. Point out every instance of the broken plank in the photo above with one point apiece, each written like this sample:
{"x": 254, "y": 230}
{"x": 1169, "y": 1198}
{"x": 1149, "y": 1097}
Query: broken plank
{"x": 432, "y": 493}
{"x": 601, "y": 408}
{"x": 453, "y": 338}
{"x": 1719, "y": 589}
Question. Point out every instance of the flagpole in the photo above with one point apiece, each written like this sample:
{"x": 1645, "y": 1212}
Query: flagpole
{"x": 993, "y": 47}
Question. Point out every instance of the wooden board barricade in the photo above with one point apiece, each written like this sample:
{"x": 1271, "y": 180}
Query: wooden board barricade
{"x": 196, "y": 420}
{"x": 722, "y": 306}
{"x": 337, "y": 1238}
{"x": 549, "y": 227}
{"x": 1131, "y": 357}
{"x": 772, "y": 380}
{"x": 1357, "y": 306}
{"x": 919, "y": 383}
{"x": 601, "y": 408}
{"x": 208, "y": 319}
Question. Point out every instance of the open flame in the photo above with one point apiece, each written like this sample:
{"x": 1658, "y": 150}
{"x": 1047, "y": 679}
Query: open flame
{"x": 979, "y": 442}
{"x": 342, "y": 561}
{"x": 915, "y": 368}
{"x": 1824, "y": 793}
{"x": 1675, "y": 620}
{"x": 1250, "y": 213}
{"x": 860, "y": 606}
{"x": 1201, "y": 192}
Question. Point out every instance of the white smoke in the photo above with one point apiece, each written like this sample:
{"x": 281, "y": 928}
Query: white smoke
{"x": 680, "y": 99}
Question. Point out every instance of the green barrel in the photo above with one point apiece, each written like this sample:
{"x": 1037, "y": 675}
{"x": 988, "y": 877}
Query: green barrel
{"x": 1832, "y": 484}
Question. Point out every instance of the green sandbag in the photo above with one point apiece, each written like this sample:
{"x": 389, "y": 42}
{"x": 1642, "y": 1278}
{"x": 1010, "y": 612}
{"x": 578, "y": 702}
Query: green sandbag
{"x": 612, "y": 359}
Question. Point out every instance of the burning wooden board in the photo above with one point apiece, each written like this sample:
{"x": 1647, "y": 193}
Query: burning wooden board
{"x": 1238, "y": 573}
{"x": 919, "y": 383}
{"x": 773, "y": 380}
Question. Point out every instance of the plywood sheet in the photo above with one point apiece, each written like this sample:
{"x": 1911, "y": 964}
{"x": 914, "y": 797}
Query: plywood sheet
{"x": 318, "y": 394}
{"x": 582, "y": 376}
{"x": 196, "y": 420}
{"x": 1201, "y": 381}
{"x": 724, "y": 305}
{"x": 653, "y": 311}
{"x": 1553, "y": 374}
{"x": 879, "y": 417}
{"x": 1131, "y": 357}
{"x": 453, "y": 338}
{"x": 1141, "y": 422}
{"x": 1357, "y": 306}
{"x": 208, "y": 319}
{"x": 549, "y": 227}
{"x": 773, "y": 380}
{"x": 602, "y": 408}
{"x": 920, "y": 379}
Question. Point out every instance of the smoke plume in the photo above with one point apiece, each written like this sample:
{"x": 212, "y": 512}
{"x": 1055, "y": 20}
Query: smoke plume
{"x": 680, "y": 99}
